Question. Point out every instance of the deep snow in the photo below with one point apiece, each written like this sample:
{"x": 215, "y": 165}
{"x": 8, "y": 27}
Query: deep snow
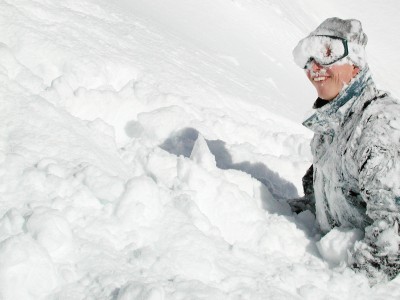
{"x": 137, "y": 141}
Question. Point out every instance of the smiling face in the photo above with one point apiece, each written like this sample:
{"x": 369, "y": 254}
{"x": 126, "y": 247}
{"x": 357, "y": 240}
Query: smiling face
{"x": 330, "y": 80}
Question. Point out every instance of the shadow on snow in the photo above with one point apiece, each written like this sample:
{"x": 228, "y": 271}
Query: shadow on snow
{"x": 182, "y": 142}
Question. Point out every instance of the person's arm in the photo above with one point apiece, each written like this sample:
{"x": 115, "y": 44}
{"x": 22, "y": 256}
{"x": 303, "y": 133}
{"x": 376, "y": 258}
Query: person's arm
{"x": 379, "y": 182}
{"x": 308, "y": 201}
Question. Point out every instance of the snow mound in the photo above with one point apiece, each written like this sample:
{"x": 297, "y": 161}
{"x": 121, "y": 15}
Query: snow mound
{"x": 142, "y": 158}
{"x": 336, "y": 244}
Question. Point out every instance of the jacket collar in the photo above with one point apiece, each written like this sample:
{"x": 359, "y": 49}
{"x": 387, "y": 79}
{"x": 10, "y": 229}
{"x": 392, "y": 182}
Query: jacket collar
{"x": 319, "y": 103}
{"x": 327, "y": 118}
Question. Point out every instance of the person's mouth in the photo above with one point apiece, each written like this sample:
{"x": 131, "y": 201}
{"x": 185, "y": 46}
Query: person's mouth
{"x": 320, "y": 78}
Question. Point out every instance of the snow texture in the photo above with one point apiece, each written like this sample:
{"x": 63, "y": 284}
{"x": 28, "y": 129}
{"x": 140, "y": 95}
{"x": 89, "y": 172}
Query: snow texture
{"x": 146, "y": 149}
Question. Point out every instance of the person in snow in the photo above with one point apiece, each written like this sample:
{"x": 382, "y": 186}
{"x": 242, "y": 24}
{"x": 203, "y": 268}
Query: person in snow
{"x": 354, "y": 180}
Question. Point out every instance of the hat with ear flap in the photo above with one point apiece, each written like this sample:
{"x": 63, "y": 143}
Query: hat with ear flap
{"x": 352, "y": 31}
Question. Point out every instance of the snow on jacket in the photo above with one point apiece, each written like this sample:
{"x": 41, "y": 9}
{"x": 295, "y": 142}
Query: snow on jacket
{"x": 356, "y": 172}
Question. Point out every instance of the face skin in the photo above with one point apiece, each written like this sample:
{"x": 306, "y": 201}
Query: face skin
{"x": 329, "y": 80}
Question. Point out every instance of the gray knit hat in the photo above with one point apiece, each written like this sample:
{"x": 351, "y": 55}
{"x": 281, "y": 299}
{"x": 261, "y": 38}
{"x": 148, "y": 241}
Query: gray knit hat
{"x": 352, "y": 31}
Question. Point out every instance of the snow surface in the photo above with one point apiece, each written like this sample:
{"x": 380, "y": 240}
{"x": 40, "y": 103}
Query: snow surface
{"x": 147, "y": 146}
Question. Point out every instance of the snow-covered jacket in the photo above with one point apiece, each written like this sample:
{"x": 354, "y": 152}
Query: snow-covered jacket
{"x": 356, "y": 172}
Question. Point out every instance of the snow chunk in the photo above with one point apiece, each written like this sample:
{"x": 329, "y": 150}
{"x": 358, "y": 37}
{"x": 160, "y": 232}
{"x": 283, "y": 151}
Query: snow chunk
{"x": 140, "y": 203}
{"x": 11, "y": 224}
{"x": 136, "y": 290}
{"x": 26, "y": 271}
{"x": 162, "y": 166}
{"x": 52, "y": 232}
{"x": 161, "y": 122}
{"x": 201, "y": 154}
{"x": 105, "y": 187}
{"x": 307, "y": 218}
{"x": 334, "y": 246}
{"x": 389, "y": 240}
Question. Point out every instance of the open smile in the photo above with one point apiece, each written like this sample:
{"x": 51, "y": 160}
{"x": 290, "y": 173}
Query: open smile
{"x": 320, "y": 78}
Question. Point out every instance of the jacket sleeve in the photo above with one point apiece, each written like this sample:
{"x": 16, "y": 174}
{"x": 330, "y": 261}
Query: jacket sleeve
{"x": 307, "y": 202}
{"x": 379, "y": 183}
{"x": 308, "y": 184}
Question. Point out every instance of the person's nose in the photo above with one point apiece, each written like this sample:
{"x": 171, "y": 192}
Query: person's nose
{"x": 315, "y": 66}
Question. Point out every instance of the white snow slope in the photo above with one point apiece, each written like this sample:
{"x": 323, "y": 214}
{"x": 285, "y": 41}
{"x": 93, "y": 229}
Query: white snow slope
{"x": 137, "y": 141}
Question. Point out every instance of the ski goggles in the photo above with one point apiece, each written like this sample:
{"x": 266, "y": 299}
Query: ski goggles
{"x": 324, "y": 49}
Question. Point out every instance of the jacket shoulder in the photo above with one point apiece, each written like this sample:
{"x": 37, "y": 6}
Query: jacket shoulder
{"x": 380, "y": 123}
{"x": 384, "y": 108}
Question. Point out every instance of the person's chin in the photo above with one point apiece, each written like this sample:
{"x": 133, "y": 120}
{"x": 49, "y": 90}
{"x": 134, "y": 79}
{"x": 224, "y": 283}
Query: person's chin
{"x": 326, "y": 94}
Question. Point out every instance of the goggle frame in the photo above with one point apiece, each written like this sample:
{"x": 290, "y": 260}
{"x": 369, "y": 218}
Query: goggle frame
{"x": 345, "y": 46}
